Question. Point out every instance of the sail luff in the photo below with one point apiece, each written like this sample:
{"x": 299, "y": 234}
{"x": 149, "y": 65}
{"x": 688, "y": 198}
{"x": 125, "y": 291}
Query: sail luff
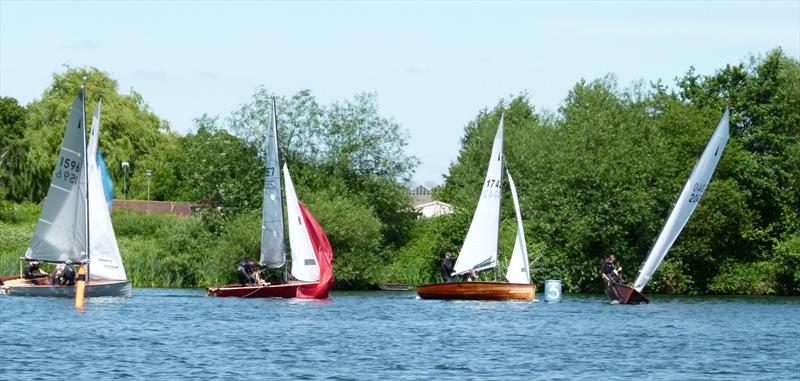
{"x": 518, "y": 267}
{"x": 59, "y": 235}
{"x": 687, "y": 201}
{"x": 480, "y": 244}
{"x": 273, "y": 249}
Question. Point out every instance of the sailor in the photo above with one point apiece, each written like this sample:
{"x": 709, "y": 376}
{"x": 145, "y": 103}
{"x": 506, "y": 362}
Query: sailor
{"x": 55, "y": 278}
{"x": 32, "y": 269}
{"x": 611, "y": 275}
{"x": 447, "y": 267}
{"x": 69, "y": 275}
{"x": 245, "y": 272}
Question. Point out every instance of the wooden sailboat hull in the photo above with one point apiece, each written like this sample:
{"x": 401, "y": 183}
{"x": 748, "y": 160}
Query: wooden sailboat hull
{"x": 477, "y": 291}
{"x": 302, "y": 290}
{"x": 17, "y": 286}
{"x": 625, "y": 294}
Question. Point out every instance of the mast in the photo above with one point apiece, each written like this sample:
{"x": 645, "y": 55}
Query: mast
{"x": 86, "y": 178}
{"x": 500, "y": 208}
{"x": 283, "y": 204}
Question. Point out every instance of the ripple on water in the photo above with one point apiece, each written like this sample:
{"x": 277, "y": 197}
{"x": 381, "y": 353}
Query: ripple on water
{"x": 179, "y": 334}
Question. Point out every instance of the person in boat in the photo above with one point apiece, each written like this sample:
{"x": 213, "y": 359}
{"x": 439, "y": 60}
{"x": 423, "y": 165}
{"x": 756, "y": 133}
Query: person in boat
{"x": 68, "y": 275}
{"x": 32, "y": 269}
{"x": 611, "y": 275}
{"x": 55, "y": 278}
{"x": 246, "y": 272}
{"x": 472, "y": 276}
{"x": 447, "y": 267}
{"x": 610, "y": 271}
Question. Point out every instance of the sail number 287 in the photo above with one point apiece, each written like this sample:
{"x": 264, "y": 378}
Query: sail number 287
{"x": 68, "y": 170}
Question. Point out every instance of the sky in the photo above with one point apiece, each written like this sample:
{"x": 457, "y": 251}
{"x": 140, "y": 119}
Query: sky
{"x": 433, "y": 65}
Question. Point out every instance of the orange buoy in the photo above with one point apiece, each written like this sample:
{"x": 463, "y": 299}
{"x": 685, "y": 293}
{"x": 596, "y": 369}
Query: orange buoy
{"x": 79, "y": 287}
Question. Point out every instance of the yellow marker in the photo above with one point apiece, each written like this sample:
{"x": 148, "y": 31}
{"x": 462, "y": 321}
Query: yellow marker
{"x": 79, "y": 287}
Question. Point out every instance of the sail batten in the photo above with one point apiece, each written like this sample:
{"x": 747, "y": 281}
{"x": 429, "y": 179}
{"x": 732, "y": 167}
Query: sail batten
{"x": 482, "y": 236}
{"x": 687, "y": 201}
{"x": 273, "y": 249}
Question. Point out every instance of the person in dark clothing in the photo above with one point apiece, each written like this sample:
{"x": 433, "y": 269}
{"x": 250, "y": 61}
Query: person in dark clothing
{"x": 447, "y": 267}
{"x": 245, "y": 272}
{"x": 31, "y": 270}
{"x": 68, "y": 275}
{"x": 611, "y": 276}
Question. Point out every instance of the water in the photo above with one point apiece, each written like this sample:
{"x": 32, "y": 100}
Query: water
{"x": 179, "y": 334}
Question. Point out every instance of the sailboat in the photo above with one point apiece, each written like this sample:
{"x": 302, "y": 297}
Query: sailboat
{"x": 311, "y": 253}
{"x": 480, "y": 248}
{"x": 75, "y": 224}
{"x": 687, "y": 201}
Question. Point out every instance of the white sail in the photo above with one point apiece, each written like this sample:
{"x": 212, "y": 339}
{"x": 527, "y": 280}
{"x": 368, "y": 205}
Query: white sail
{"x": 273, "y": 251}
{"x": 304, "y": 261}
{"x": 479, "y": 251}
{"x": 60, "y": 234}
{"x": 105, "y": 261}
{"x": 518, "y": 267}
{"x": 690, "y": 196}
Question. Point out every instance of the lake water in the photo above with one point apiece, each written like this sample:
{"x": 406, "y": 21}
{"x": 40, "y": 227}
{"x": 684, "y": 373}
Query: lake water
{"x": 179, "y": 334}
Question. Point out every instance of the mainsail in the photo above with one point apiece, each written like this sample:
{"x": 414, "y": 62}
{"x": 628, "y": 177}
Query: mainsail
{"x": 479, "y": 251}
{"x": 690, "y": 196}
{"x": 304, "y": 260}
{"x": 518, "y": 267}
{"x": 60, "y": 234}
{"x": 105, "y": 261}
{"x": 273, "y": 251}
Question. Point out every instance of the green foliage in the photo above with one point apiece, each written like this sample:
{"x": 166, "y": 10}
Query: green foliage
{"x": 130, "y": 131}
{"x": 601, "y": 176}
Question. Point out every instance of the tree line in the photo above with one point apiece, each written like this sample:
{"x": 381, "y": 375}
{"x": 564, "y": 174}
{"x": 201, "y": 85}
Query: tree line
{"x": 598, "y": 176}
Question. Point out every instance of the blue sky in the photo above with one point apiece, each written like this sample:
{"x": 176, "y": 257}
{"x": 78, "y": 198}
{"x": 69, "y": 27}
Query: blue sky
{"x": 434, "y": 65}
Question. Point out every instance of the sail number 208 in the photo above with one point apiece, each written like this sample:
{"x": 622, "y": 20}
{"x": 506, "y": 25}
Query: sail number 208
{"x": 68, "y": 170}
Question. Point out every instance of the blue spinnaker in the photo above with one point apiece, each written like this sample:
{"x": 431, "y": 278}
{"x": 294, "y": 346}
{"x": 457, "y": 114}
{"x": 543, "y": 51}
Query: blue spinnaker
{"x": 108, "y": 185}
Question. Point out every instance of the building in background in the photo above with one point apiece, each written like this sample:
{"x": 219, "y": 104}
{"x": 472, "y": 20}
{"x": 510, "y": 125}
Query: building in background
{"x": 425, "y": 205}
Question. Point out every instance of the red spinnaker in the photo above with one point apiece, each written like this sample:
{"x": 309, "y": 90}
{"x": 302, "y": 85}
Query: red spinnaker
{"x": 324, "y": 254}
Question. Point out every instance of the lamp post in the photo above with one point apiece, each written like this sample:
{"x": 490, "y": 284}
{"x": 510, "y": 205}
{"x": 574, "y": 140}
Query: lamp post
{"x": 149, "y": 174}
{"x": 125, "y": 166}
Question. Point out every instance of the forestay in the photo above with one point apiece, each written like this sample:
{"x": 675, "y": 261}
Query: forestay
{"x": 518, "y": 267}
{"x": 105, "y": 261}
{"x": 60, "y": 233}
{"x": 479, "y": 251}
{"x": 273, "y": 250}
{"x": 304, "y": 261}
{"x": 690, "y": 196}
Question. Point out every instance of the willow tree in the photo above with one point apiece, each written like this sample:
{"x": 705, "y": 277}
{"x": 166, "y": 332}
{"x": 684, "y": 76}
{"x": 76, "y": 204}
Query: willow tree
{"x": 130, "y": 129}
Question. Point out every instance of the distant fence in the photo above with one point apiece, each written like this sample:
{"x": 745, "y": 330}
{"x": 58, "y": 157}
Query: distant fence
{"x": 162, "y": 207}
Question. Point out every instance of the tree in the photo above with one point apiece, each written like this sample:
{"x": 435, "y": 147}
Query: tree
{"x": 129, "y": 129}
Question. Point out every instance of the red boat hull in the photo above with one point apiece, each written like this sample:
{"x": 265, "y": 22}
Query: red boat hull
{"x": 477, "y": 291}
{"x": 626, "y": 294}
{"x": 291, "y": 290}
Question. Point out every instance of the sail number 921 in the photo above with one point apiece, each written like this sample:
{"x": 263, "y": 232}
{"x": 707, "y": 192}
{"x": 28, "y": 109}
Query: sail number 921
{"x": 68, "y": 170}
